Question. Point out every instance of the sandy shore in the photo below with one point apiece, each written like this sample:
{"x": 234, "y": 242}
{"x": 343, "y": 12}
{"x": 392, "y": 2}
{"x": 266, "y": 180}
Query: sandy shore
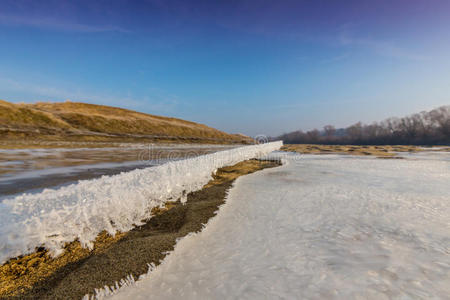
{"x": 79, "y": 271}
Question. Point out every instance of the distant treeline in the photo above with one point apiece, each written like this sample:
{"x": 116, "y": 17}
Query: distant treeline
{"x": 425, "y": 128}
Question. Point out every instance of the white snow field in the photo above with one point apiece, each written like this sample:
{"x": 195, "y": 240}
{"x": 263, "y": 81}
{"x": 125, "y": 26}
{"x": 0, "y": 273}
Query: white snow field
{"x": 81, "y": 211}
{"x": 319, "y": 227}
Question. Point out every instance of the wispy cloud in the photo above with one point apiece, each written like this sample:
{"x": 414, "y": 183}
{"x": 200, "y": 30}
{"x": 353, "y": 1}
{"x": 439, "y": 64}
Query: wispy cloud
{"x": 336, "y": 58}
{"x": 56, "y": 24}
{"x": 380, "y": 47}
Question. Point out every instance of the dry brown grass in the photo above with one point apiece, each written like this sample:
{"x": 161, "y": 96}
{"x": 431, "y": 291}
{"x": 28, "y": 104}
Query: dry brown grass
{"x": 378, "y": 151}
{"x": 89, "y": 122}
{"x": 19, "y": 275}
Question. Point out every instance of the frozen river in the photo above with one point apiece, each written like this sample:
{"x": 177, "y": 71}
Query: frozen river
{"x": 319, "y": 227}
{"x": 31, "y": 170}
{"x": 82, "y": 210}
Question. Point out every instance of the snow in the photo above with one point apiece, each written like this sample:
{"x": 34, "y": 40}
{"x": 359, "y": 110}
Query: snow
{"x": 318, "y": 227}
{"x": 112, "y": 203}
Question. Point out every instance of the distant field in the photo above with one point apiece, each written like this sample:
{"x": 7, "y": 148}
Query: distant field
{"x": 81, "y": 122}
{"x": 385, "y": 151}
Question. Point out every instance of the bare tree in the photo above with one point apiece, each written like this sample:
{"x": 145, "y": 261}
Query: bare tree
{"x": 329, "y": 130}
{"x": 425, "y": 128}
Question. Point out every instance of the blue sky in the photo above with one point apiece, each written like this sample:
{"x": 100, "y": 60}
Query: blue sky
{"x": 255, "y": 67}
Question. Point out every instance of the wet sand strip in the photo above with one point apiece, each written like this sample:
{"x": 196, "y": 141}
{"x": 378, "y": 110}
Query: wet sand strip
{"x": 79, "y": 271}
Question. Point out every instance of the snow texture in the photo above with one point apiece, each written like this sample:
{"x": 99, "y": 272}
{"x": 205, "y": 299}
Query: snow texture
{"x": 319, "y": 227}
{"x": 112, "y": 203}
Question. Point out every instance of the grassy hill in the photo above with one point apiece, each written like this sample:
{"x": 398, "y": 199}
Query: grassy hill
{"x": 71, "y": 121}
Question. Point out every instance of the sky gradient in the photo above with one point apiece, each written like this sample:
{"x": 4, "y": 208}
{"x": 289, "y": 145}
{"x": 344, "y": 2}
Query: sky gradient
{"x": 254, "y": 67}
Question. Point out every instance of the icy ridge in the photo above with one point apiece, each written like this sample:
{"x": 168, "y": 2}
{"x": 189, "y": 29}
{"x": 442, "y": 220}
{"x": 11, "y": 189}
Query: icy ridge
{"x": 81, "y": 211}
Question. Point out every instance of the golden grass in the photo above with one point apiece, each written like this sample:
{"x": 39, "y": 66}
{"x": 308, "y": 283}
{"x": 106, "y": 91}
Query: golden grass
{"x": 89, "y": 122}
{"x": 230, "y": 173}
{"x": 21, "y": 273}
{"x": 385, "y": 151}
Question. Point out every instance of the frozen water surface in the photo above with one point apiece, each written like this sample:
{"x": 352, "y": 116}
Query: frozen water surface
{"x": 82, "y": 210}
{"x": 31, "y": 170}
{"x": 319, "y": 227}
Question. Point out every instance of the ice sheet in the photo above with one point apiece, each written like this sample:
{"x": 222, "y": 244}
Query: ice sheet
{"x": 319, "y": 227}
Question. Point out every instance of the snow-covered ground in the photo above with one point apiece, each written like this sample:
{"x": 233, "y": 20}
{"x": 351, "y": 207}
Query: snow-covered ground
{"x": 319, "y": 227}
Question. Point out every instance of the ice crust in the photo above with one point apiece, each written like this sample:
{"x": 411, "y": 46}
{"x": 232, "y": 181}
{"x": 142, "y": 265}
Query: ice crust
{"x": 81, "y": 211}
{"x": 318, "y": 227}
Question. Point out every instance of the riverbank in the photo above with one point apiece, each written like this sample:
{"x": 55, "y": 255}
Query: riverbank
{"x": 382, "y": 151}
{"x": 46, "y": 122}
{"x": 79, "y": 271}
